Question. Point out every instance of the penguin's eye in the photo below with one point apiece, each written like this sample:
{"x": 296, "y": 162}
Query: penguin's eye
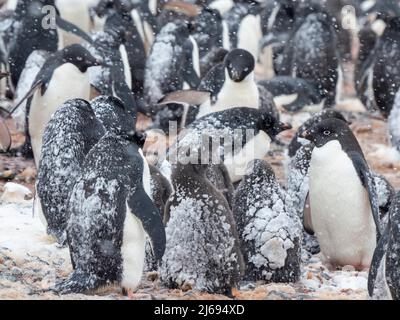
{"x": 327, "y": 132}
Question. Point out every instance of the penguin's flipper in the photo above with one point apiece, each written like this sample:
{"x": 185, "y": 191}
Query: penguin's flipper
{"x": 144, "y": 209}
{"x": 5, "y": 137}
{"x": 72, "y": 28}
{"x": 28, "y": 95}
{"x": 189, "y": 97}
{"x": 367, "y": 180}
{"x": 380, "y": 251}
{"x": 295, "y": 106}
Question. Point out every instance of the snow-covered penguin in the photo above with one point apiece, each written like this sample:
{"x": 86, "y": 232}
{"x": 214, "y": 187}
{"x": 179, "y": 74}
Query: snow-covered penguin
{"x": 202, "y": 243}
{"x": 343, "y": 199}
{"x": 28, "y": 35}
{"x": 171, "y": 64}
{"x": 269, "y": 232}
{"x": 394, "y": 123}
{"x": 114, "y": 77}
{"x": 70, "y": 134}
{"x": 247, "y": 135}
{"x": 384, "y": 275}
{"x": 311, "y": 55}
{"x": 111, "y": 213}
{"x": 380, "y": 74}
{"x": 49, "y": 91}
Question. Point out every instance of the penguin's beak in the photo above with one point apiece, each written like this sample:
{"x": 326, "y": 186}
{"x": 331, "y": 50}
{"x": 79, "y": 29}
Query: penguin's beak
{"x": 4, "y": 75}
{"x": 306, "y": 134}
{"x": 285, "y": 126}
{"x": 98, "y": 62}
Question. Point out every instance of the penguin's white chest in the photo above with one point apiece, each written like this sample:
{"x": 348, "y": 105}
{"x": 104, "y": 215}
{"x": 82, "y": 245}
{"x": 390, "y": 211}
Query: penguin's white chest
{"x": 76, "y": 12}
{"x": 66, "y": 83}
{"x": 233, "y": 95}
{"x": 256, "y": 148}
{"x": 250, "y": 34}
{"x": 127, "y": 69}
{"x": 340, "y": 209}
{"x": 132, "y": 251}
{"x": 134, "y": 240}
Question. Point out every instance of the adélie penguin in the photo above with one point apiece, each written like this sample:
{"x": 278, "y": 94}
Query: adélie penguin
{"x": 343, "y": 199}
{"x": 384, "y": 276}
{"x": 379, "y": 75}
{"x": 49, "y": 91}
{"x": 70, "y": 134}
{"x": 32, "y": 30}
{"x": 111, "y": 214}
{"x": 311, "y": 54}
{"x": 179, "y": 68}
{"x": 202, "y": 245}
{"x": 269, "y": 231}
{"x": 227, "y": 85}
{"x": 247, "y": 134}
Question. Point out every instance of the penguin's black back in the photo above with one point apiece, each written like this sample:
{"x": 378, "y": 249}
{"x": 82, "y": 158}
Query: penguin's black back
{"x": 386, "y": 79}
{"x": 69, "y": 136}
{"x": 98, "y": 208}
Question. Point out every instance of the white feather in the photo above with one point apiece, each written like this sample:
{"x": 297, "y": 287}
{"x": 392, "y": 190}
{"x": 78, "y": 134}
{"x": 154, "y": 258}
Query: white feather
{"x": 340, "y": 208}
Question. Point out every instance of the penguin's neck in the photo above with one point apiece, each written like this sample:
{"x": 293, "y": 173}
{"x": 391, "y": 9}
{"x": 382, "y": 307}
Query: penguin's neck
{"x": 188, "y": 174}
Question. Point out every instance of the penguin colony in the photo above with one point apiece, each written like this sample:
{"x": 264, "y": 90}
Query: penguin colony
{"x": 214, "y": 69}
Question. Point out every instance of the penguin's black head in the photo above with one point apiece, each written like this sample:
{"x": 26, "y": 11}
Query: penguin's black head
{"x": 116, "y": 117}
{"x": 272, "y": 126}
{"x": 80, "y": 57}
{"x": 260, "y": 168}
{"x": 327, "y": 130}
{"x": 239, "y": 63}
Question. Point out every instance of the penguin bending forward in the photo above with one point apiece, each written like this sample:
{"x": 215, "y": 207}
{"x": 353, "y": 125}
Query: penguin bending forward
{"x": 343, "y": 199}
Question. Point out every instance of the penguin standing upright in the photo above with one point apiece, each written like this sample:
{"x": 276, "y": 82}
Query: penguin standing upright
{"x": 202, "y": 244}
{"x": 49, "y": 92}
{"x": 76, "y": 12}
{"x": 386, "y": 69}
{"x": 70, "y": 134}
{"x": 29, "y": 32}
{"x": 269, "y": 232}
{"x": 114, "y": 77}
{"x": 311, "y": 55}
{"x": 227, "y": 85}
{"x": 393, "y": 122}
{"x": 384, "y": 276}
{"x": 171, "y": 72}
{"x": 28, "y": 35}
{"x": 343, "y": 199}
{"x": 208, "y": 30}
{"x": 111, "y": 211}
